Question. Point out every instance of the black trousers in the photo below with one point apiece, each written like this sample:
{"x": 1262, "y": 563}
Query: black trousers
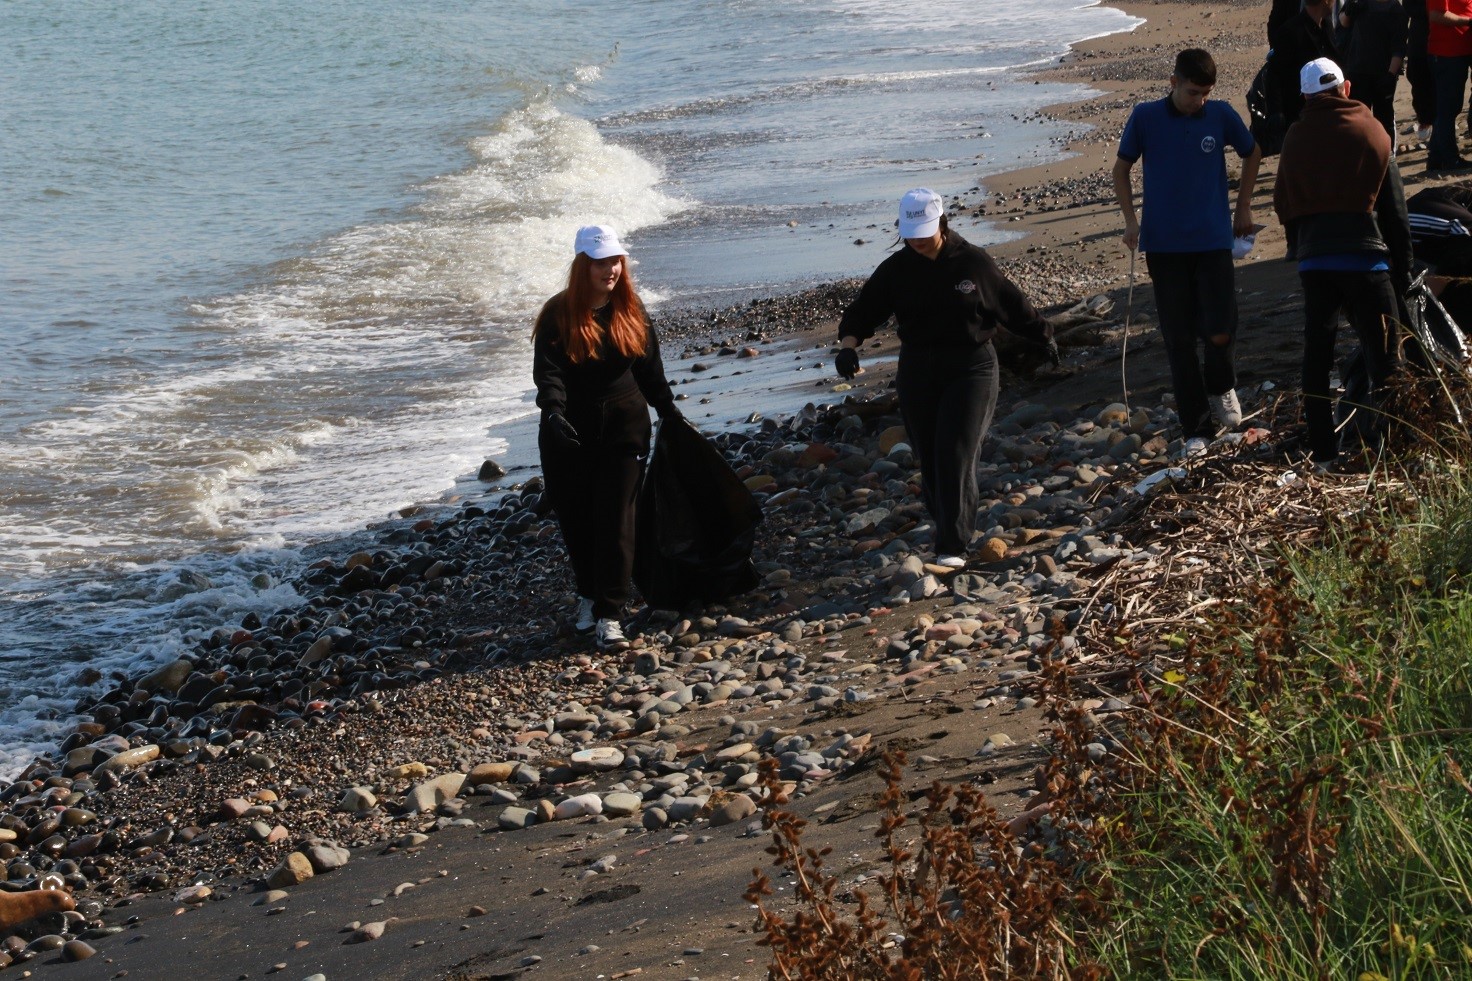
{"x": 1368, "y": 301}
{"x": 1418, "y": 73}
{"x": 592, "y": 489}
{"x": 947, "y": 397}
{"x": 1196, "y": 300}
{"x": 1377, "y": 90}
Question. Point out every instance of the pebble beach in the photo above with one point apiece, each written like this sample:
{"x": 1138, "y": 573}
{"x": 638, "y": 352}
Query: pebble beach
{"x": 422, "y": 771}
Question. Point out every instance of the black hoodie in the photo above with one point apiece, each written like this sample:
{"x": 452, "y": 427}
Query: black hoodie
{"x": 956, "y": 300}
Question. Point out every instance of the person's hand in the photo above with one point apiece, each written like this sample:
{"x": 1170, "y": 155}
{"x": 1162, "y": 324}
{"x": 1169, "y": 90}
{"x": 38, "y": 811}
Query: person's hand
{"x": 668, "y": 412}
{"x": 560, "y": 431}
{"x": 847, "y": 362}
{"x": 1132, "y": 238}
{"x": 1242, "y": 223}
{"x": 1054, "y": 357}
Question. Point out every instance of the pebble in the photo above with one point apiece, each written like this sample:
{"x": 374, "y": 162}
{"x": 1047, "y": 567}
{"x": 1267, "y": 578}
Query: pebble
{"x": 620, "y": 804}
{"x": 583, "y": 805}
{"x": 516, "y": 818}
{"x": 294, "y": 869}
{"x": 370, "y": 931}
{"x": 738, "y": 808}
{"x": 432, "y": 793}
{"x": 77, "y": 950}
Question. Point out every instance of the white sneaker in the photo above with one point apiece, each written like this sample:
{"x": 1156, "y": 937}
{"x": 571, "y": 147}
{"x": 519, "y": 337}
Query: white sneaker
{"x": 1195, "y": 446}
{"x": 611, "y": 636}
{"x": 584, "y": 621}
{"x": 951, "y": 561}
{"x": 1225, "y": 409}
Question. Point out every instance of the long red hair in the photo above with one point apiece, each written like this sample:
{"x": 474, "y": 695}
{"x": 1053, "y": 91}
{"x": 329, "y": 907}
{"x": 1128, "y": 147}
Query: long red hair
{"x": 581, "y": 336}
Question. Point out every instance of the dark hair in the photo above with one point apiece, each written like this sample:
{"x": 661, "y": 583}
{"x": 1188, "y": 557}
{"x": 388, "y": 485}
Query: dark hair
{"x": 1196, "y": 66}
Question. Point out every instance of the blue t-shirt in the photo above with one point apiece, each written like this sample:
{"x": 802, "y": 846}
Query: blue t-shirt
{"x": 1186, "y": 207}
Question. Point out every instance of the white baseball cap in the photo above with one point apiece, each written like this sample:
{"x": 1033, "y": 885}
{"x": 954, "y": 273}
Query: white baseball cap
{"x": 1319, "y": 75}
{"x": 920, "y": 213}
{"x": 598, "y": 242}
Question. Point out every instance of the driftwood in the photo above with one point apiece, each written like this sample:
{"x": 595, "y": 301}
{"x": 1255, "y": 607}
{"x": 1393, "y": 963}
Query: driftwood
{"x": 1081, "y": 324}
{"x": 1216, "y": 533}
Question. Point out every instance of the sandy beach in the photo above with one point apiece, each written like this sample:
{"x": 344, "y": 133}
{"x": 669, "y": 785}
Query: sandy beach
{"x": 421, "y": 773}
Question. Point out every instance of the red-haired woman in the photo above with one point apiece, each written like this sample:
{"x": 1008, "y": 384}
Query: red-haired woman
{"x": 597, "y": 369}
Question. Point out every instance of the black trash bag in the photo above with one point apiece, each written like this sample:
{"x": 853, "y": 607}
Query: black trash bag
{"x": 695, "y": 523}
{"x": 1265, "y": 118}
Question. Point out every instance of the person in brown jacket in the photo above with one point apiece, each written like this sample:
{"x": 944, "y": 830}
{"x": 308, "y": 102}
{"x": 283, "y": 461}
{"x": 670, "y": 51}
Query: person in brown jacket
{"x": 1339, "y": 192}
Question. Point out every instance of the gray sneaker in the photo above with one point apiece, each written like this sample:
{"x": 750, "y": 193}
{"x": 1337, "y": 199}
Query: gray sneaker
{"x": 611, "y": 636}
{"x": 1225, "y": 409}
{"x": 584, "y": 621}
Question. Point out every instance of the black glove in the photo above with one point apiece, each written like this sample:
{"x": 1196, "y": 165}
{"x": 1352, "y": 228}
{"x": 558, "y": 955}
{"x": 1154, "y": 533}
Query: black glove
{"x": 668, "y": 413}
{"x": 560, "y": 431}
{"x": 847, "y": 362}
{"x": 1054, "y": 358}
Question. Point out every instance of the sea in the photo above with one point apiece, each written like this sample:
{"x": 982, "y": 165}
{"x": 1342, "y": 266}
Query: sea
{"x": 267, "y": 270}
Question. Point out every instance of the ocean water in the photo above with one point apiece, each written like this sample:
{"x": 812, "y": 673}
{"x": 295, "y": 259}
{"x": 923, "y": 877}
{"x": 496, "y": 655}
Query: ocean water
{"x": 267, "y": 271}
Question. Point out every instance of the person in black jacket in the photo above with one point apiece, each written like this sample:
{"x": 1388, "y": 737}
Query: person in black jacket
{"x": 1418, "y": 68}
{"x": 1307, "y": 35}
{"x": 597, "y": 369}
{"x": 948, "y": 298}
{"x": 1373, "y": 43}
{"x": 1281, "y": 10}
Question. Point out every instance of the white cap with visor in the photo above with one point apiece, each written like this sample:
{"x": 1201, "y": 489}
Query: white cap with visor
{"x": 920, "y": 213}
{"x": 598, "y": 242}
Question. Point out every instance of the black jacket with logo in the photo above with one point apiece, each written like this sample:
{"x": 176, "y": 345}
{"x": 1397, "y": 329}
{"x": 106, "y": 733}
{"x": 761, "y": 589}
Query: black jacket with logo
{"x": 956, "y": 300}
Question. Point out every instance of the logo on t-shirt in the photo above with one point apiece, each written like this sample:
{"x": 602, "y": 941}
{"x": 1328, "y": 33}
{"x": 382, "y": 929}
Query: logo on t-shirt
{"x": 1208, "y": 144}
{"x": 965, "y": 286}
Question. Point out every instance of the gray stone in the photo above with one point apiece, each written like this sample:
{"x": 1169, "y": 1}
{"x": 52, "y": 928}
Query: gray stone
{"x": 326, "y": 856}
{"x": 168, "y": 678}
{"x": 736, "y": 809}
{"x": 432, "y": 793}
{"x": 516, "y": 818}
{"x": 621, "y": 804}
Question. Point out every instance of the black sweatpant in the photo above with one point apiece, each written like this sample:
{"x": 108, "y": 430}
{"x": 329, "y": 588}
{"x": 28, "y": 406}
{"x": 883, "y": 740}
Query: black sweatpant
{"x": 947, "y": 397}
{"x": 1368, "y": 301}
{"x": 1377, "y": 90}
{"x": 592, "y": 489}
{"x": 1196, "y": 300}
{"x": 1418, "y": 73}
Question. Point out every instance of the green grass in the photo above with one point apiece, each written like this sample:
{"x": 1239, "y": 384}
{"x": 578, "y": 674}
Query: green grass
{"x": 1298, "y": 808}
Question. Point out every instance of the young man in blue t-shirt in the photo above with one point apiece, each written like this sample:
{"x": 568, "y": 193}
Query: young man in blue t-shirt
{"x": 1187, "y": 235}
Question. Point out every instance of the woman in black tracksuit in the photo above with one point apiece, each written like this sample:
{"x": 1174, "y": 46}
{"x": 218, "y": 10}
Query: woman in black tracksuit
{"x": 948, "y": 298}
{"x": 597, "y": 369}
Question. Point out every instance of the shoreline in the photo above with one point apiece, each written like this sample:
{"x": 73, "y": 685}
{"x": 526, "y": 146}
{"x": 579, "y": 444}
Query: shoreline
{"x": 453, "y": 697}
